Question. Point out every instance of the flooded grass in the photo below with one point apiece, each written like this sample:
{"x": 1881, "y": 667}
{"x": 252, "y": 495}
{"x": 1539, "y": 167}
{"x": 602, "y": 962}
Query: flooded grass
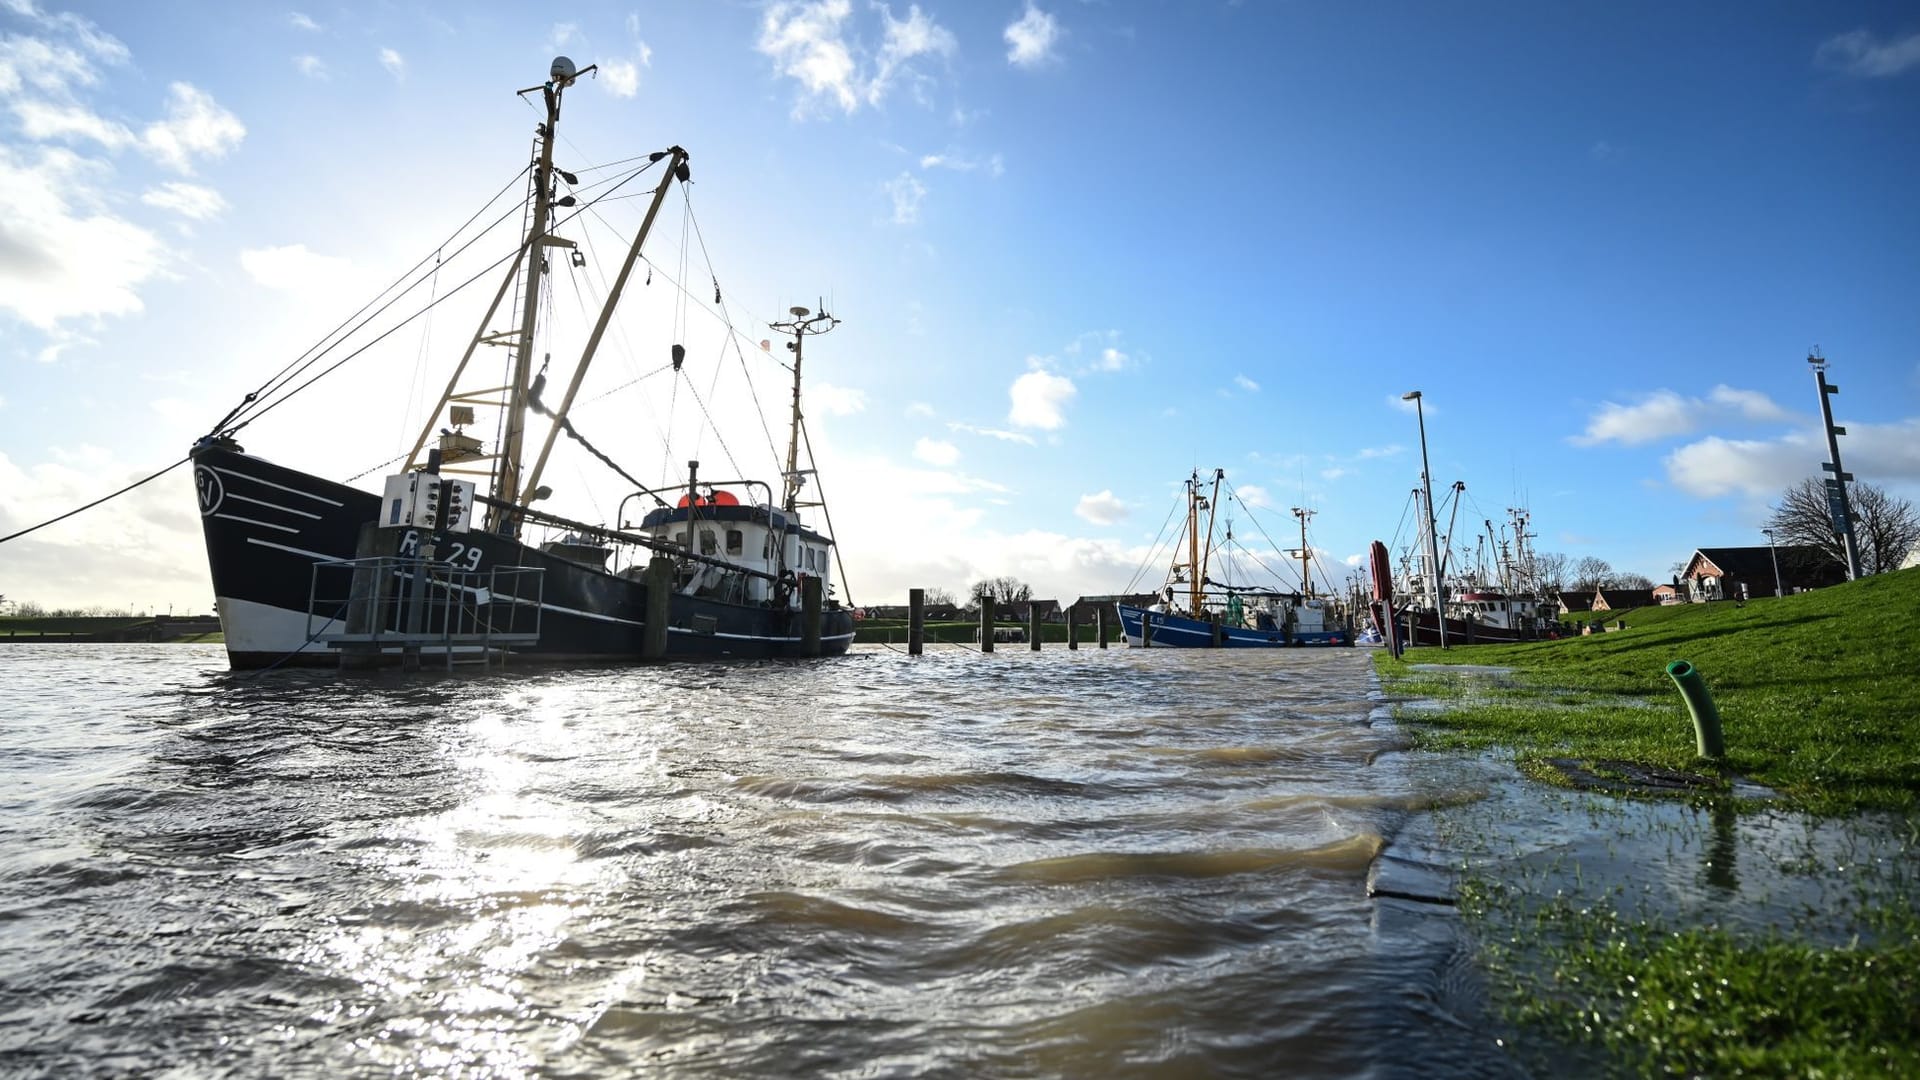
{"x": 1653, "y": 913}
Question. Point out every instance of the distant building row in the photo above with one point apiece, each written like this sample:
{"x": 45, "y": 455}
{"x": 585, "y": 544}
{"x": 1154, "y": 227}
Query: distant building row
{"x": 1722, "y": 573}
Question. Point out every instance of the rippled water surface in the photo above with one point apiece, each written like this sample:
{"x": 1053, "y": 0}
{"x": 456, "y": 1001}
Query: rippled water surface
{"x": 1090, "y": 863}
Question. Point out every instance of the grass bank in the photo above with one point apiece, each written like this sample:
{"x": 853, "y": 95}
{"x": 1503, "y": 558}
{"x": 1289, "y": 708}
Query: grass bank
{"x": 1821, "y": 702}
{"x": 1819, "y": 693}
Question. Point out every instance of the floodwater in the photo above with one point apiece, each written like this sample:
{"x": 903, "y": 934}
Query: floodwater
{"x": 1065, "y": 863}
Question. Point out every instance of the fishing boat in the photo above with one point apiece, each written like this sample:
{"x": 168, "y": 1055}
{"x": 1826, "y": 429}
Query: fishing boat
{"x": 1197, "y": 612}
{"x": 450, "y": 559}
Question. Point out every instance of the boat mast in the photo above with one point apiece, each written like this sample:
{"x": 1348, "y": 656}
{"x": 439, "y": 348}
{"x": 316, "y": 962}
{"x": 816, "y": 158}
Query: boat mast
{"x": 1306, "y": 575}
{"x": 676, "y": 170}
{"x": 1193, "y": 543}
{"x": 506, "y": 480}
{"x": 1206, "y": 553}
{"x": 1435, "y": 588}
{"x": 804, "y": 323}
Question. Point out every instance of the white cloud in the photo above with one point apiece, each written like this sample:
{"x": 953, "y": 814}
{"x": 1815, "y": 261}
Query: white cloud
{"x": 1333, "y": 472}
{"x": 292, "y": 268}
{"x": 1665, "y": 413}
{"x": 55, "y": 67}
{"x": 1031, "y": 38}
{"x": 623, "y": 78}
{"x": 1368, "y": 453}
{"x": 195, "y": 125}
{"x": 1751, "y": 404}
{"x": 1246, "y": 384}
{"x": 907, "y": 192}
{"x": 993, "y": 433}
{"x": 1861, "y": 53}
{"x": 1254, "y": 496}
{"x": 1101, "y": 508}
{"x": 187, "y": 200}
{"x": 992, "y": 165}
{"x": 919, "y": 408}
{"x": 1038, "y": 397}
{"x": 58, "y": 262}
{"x": 834, "y": 400}
{"x": 43, "y": 121}
{"x": 395, "y": 64}
{"x": 1112, "y": 359}
{"x": 1762, "y": 468}
{"x": 936, "y": 452}
{"x": 560, "y": 36}
{"x": 808, "y": 42}
{"x": 301, "y": 22}
{"x": 311, "y": 66}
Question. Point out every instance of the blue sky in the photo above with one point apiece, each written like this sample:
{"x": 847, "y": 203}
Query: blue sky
{"x": 1080, "y": 250}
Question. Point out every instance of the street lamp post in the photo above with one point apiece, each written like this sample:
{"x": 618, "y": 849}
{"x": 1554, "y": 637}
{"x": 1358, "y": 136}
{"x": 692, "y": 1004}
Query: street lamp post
{"x": 1434, "y": 584}
{"x": 1778, "y": 590}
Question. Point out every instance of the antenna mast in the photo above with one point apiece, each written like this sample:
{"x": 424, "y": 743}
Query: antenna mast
{"x": 804, "y": 322}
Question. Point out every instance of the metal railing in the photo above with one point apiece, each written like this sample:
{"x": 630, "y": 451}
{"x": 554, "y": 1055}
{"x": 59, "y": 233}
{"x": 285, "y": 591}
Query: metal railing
{"x": 385, "y": 602}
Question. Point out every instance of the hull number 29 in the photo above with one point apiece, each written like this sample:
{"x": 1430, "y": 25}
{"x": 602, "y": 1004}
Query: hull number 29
{"x": 459, "y": 555}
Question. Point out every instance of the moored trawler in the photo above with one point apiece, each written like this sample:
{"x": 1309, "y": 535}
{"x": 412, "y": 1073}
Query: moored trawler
{"x": 308, "y": 570}
{"x": 1220, "y": 614}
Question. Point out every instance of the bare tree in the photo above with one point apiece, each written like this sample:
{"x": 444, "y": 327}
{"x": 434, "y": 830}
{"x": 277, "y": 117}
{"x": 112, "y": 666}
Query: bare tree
{"x": 1629, "y": 581}
{"x": 1004, "y": 590}
{"x": 1550, "y": 570}
{"x": 939, "y": 598}
{"x": 1885, "y": 525}
{"x": 1592, "y": 572}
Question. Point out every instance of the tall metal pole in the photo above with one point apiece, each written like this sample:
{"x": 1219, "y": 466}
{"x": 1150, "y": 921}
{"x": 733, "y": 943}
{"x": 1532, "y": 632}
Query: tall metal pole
{"x": 1435, "y": 586}
{"x": 1837, "y": 503}
{"x": 1775, "y": 552}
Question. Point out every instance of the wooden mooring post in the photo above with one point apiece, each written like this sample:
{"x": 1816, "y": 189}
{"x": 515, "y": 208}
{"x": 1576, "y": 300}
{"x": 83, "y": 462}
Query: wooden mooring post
{"x": 810, "y": 615}
{"x": 986, "y": 624}
{"x": 1100, "y": 624}
{"x": 653, "y": 635}
{"x": 1073, "y": 629}
{"x": 916, "y": 621}
{"x": 1033, "y": 627}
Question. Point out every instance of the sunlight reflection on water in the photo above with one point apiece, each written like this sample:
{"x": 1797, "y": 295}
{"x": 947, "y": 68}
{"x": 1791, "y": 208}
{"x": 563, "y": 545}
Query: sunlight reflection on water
{"x": 1091, "y": 863}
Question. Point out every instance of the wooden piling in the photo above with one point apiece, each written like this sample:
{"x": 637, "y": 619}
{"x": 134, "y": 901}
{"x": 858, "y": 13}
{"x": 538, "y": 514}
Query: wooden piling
{"x": 916, "y": 621}
{"x": 1033, "y": 627}
{"x": 1073, "y": 629}
{"x": 1100, "y": 624}
{"x": 810, "y": 615}
{"x": 986, "y": 624}
{"x": 1213, "y": 625}
{"x": 653, "y": 634}
{"x": 1146, "y": 629}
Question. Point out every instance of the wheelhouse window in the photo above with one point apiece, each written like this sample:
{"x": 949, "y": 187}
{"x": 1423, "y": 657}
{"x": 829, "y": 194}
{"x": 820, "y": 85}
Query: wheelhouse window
{"x": 736, "y": 541}
{"x": 709, "y": 543}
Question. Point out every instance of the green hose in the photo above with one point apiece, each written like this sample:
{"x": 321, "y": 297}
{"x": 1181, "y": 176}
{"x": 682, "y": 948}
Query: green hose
{"x": 1706, "y": 718}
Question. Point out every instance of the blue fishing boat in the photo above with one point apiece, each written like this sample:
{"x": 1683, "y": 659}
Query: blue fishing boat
{"x": 1197, "y": 612}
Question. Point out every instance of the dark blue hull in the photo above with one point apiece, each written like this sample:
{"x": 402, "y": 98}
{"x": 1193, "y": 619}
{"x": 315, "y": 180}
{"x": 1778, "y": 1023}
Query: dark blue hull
{"x": 1171, "y": 631}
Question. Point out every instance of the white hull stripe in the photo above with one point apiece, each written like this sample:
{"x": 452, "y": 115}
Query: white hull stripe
{"x": 274, "y": 506}
{"x": 282, "y": 487}
{"x": 314, "y": 555}
{"x": 262, "y": 524}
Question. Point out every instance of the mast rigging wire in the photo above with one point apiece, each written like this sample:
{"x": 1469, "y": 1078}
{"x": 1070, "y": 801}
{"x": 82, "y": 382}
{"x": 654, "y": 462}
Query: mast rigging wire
{"x": 335, "y": 366}
{"x": 96, "y": 502}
